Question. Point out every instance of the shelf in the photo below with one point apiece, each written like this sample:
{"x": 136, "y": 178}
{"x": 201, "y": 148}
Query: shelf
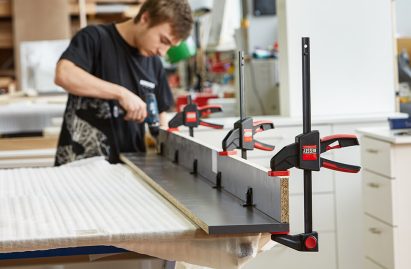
{"x": 6, "y": 36}
{"x": 92, "y": 7}
{"x": 5, "y": 8}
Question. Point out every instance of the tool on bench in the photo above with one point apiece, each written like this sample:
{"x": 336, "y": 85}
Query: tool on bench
{"x": 152, "y": 119}
{"x": 191, "y": 117}
{"x": 305, "y": 154}
{"x": 242, "y": 135}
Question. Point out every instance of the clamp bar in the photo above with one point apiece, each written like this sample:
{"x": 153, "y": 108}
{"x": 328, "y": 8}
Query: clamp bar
{"x": 308, "y": 215}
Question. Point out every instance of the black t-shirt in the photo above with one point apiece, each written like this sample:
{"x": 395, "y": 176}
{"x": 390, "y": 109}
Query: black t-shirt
{"x": 89, "y": 126}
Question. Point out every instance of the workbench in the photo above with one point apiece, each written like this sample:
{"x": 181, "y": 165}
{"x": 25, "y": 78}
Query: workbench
{"x": 91, "y": 203}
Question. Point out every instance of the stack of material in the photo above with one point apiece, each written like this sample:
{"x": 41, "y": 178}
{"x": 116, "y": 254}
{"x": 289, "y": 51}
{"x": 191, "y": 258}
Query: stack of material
{"x": 23, "y": 117}
{"x": 92, "y": 202}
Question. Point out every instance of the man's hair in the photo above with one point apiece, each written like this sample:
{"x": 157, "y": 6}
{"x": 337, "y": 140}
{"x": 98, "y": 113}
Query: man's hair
{"x": 176, "y": 12}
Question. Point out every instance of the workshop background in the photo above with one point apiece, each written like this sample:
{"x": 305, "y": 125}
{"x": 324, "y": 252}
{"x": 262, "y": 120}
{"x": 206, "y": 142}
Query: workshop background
{"x": 360, "y": 81}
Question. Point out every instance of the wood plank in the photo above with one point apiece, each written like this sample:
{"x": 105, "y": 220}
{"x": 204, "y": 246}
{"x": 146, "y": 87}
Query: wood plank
{"x": 90, "y": 9}
{"x": 7, "y": 144}
{"x": 5, "y": 8}
{"x": 215, "y": 211}
{"x": 6, "y": 36}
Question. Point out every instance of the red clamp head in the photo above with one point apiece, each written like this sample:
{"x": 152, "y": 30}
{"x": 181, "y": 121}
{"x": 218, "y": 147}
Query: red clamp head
{"x": 227, "y": 153}
{"x": 285, "y": 173}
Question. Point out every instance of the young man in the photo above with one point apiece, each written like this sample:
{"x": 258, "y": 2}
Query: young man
{"x": 110, "y": 66}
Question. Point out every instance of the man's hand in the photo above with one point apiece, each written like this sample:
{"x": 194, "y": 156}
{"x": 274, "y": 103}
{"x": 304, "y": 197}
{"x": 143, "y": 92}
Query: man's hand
{"x": 135, "y": 107}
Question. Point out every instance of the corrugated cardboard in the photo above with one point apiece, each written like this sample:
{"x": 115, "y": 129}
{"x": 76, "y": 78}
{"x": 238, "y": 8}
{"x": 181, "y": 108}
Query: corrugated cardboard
{"x": 404, "y": 43}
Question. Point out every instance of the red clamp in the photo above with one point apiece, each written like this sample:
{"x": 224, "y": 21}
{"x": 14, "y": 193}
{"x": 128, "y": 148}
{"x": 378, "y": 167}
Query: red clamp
{"x": 242, "y": 136}
{"x": 192, "y": 114}
{"x": 305, "y": 153}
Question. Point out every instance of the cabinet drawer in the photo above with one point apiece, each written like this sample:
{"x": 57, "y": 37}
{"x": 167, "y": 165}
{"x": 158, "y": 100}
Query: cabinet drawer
{"x": 379, "y": 198}
{"x": 376, "y": 156}
{"x": 379, "y": 242}
{"x": 368, "y": 264}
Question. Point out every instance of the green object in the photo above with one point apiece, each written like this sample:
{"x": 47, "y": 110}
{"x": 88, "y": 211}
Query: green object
{"x": 183, "y": 51}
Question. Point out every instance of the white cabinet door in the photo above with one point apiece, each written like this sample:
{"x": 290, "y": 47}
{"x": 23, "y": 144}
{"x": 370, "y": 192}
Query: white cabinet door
{"x": 368, "y": 264}
{"x": 349, "y": 201}
{"x": 323, "y": 213}
{"x": 379, "y": 197}
{"x": 376, "y": 156}
{"x": 379, "y": 242}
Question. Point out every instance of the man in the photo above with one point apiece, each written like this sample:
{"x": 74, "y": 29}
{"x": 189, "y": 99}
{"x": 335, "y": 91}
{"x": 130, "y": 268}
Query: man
{"x": 110, "y": 66}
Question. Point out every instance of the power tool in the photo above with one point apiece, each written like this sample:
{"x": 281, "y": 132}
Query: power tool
{"x": 153, "y": 119}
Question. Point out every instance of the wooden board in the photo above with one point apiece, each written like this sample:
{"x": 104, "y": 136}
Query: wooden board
{"x": 215, "y": 211}
{"x": 5, "y": 8}
{"x": 6, "y": 37}
{"x": 27, "y": 143}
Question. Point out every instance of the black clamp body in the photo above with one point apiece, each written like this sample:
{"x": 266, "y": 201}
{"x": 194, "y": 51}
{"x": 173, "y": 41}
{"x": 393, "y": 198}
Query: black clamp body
{"x": 307, "y": 242}
{"x": 192, "y": 115}
{"x": 242, "y": 136}
{"x": 305, "y": 153}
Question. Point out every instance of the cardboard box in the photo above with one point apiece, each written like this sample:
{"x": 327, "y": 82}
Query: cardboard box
{"x": 404, "y": 43}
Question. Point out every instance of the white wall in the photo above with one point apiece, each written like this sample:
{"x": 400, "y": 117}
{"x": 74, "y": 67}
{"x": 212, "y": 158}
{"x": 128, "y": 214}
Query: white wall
{"x": 352, "y": 55}
{"x": 403, "y": 11}
{"x": 263, "y": 30}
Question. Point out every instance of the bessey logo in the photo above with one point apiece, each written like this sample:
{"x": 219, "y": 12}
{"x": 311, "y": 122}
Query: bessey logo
{"x": 191, "y": 117}
{"x": 310, "y": 153}
{"x": 248, "y": 135}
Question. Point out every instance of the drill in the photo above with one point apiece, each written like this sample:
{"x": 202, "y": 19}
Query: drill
{"x": 153, "y": 119}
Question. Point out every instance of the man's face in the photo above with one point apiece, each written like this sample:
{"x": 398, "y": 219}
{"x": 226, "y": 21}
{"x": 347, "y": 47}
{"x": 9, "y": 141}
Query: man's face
{"x": 156, "y": 40}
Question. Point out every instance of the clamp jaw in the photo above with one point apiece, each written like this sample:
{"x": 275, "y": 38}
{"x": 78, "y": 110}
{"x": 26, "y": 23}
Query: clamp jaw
{"x": 305, "y": 153}
{"x": 191, "y": 116}
{"x": 242, "y": 136}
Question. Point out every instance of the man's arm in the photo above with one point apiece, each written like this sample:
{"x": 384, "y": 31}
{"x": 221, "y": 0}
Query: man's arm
{"x": 163, "y": 119}
{"x": 81, "y": 83}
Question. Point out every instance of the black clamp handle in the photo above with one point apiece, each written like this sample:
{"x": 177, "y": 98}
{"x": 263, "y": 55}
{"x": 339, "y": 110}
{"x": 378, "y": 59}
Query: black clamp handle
{"x": 192, "y": 115}
{"x": 335, "y": 142}
{"x": 242, "y": 136}
{"x": 261, "y": 126}
{"x": 289, "y": 156}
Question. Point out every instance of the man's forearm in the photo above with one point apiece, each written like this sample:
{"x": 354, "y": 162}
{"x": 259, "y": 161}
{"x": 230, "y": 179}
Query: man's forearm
{"x": 78, "y": 82}
{"x": 163, "y": 119}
